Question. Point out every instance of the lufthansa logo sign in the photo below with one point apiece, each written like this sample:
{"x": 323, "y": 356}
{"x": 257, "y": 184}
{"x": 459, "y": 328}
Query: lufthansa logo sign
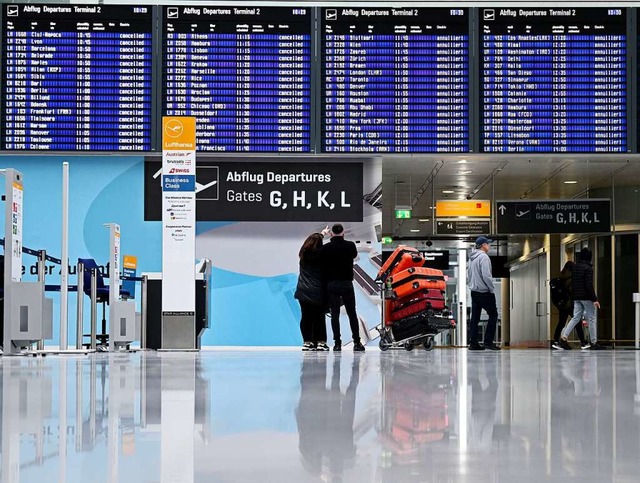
{"x": 173, "y": 128}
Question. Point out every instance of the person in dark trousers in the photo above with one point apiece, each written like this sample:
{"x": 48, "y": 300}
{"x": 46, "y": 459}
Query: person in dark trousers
{"x": 565, "y": 308}
{"x": 311, "y": 295}
{"x": 325, "y": 418}
{"x": 337, "y": 264}
{"x": 585, "y": 301}
{"x": 483, "y": 296}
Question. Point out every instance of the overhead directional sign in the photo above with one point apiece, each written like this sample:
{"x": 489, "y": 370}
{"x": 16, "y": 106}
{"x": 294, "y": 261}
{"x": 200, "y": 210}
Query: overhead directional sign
{"x": 462, "y": 227}
{"x": 553, "y": 216}
{"x": 470, "y": 208}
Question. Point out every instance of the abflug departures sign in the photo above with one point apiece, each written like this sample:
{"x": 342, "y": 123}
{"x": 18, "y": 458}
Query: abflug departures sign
{"x": 553, "y": 216}
{"x": 231, "y": 191}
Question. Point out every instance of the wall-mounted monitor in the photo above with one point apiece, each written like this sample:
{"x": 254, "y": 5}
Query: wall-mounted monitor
{"x": 553, "y": 80}
{"x": 243, "y": 72}
{"x": 76, "y": 77}
{"x": 394, "y": 80}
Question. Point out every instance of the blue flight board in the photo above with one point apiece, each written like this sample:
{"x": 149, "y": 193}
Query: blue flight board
{"x": 395, "y": 80}
{"x": 554, "y": 80}
{"x": 76, "y": 77}
{"x": 243, "y": 72}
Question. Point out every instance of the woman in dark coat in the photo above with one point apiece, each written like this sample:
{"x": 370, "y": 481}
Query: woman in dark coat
{"x": 310, "y": 295}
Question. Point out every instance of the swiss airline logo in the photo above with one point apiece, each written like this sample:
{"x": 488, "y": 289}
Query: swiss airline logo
{"x": 178, "y": 170}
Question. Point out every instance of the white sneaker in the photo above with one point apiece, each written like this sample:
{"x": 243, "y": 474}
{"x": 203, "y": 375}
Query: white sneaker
{"x": 322, "y": 346}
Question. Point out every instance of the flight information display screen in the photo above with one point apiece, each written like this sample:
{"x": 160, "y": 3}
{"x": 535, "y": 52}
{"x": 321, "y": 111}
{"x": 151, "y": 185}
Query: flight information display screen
{"x": 553, "y": 80}
{"x": 76, "y": 77}
{"x": 395, "y": 80}
{"x": 243, "y": 72}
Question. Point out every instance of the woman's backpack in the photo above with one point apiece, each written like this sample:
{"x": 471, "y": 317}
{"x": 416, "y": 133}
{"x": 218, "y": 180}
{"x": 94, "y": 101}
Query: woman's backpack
{"x": 560, "y": 296}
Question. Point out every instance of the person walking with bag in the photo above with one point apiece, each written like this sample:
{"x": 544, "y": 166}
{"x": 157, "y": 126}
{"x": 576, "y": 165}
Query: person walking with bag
{"x": 561, "y": 297}
{"x": 310, "y": 294}
{"x": 585, "y": 301}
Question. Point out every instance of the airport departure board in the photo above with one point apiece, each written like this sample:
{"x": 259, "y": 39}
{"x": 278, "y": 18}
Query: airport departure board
{"x": 76, "y": 77}
{"x": 243, "y": 72}
{"x": 554, "y": 80}
{"x": 395, "y": 80}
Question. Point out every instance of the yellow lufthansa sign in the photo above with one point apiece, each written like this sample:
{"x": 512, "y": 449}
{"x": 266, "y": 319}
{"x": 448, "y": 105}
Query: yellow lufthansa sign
{"x": 130, "y": 262}
{"x": 178, "y": 133}
{"x": 470, "y": 208}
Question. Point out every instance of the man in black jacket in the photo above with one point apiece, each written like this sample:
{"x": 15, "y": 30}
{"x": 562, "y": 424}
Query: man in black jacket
{"x": 337, "y": 265}
{"x": 585, "y": 301}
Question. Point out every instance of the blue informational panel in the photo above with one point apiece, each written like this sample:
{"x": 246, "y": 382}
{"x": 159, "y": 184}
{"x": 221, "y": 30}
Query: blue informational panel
{"x": 76, "y": 78}
{"x": 395, "y": 80}
{"x": 553, "y": 80}
{"x": 243, "y": 72}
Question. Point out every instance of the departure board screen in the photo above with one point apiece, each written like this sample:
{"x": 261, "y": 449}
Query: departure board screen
{"x": 554, "y": 80}
{"x": 243, "y": 72}
{"x": 395, "y": 80}
{"x": 76, "y": 78}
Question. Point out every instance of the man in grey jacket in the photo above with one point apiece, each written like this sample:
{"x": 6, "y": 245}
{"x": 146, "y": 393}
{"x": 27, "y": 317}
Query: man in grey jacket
{"x": 480, "y": 282}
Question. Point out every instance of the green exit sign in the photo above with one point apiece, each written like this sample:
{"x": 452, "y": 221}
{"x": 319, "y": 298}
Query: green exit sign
{"x": 402, "y": 214}
{"x": 387, "y": 240}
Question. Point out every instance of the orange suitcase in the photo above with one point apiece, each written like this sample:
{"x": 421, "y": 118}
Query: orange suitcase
{"x": 423, "y": 301}
{"x": 415, "y": 279}
{"x": 402, "y": 258}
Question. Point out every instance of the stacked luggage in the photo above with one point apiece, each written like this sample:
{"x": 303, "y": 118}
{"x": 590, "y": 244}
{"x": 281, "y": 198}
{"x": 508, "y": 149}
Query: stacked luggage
{"x": 414, "y": 303}
{"x": 413, "y": 415}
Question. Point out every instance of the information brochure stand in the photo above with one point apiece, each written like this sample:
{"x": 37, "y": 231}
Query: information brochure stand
{"x": 178, "y": 232}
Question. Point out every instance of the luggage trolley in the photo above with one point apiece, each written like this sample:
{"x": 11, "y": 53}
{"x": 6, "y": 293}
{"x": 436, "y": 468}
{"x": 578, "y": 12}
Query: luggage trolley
{"x": 413, "y": 302}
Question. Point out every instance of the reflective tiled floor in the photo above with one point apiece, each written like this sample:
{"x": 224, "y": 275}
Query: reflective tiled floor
{"x": 285, "y": 416}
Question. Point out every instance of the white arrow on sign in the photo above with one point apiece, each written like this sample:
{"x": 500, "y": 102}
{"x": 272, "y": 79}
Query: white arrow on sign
{"x": 502, "y": 209}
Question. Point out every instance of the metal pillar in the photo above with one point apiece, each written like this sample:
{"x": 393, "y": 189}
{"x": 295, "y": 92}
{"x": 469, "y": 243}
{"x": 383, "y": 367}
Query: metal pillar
{"x": 143, "y": 313}
{"x": 64, "y": 272}
{"x": 636, "y": 301}
{"x": 80, "y": 306}
{"x": 42, "y": 272}
{"x": 462, "y": 298}
{"x": 94, "y": 307}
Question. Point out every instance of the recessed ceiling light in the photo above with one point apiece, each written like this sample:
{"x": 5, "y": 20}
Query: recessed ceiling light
{"x": 571, "y": 181}
{"x": 415, "y": 231}
{"x": 448, "y": 192}
{"x": 423, "y": 219}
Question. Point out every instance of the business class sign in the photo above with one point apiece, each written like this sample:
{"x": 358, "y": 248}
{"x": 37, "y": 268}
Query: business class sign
{"x": 268, "y": 191}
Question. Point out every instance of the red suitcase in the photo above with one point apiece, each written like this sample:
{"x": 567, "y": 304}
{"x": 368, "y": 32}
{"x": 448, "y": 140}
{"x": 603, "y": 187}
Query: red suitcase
{"x": 402, "y": 258}
{"x": 424, "y": 300}
{"x": 415, "y": 279}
